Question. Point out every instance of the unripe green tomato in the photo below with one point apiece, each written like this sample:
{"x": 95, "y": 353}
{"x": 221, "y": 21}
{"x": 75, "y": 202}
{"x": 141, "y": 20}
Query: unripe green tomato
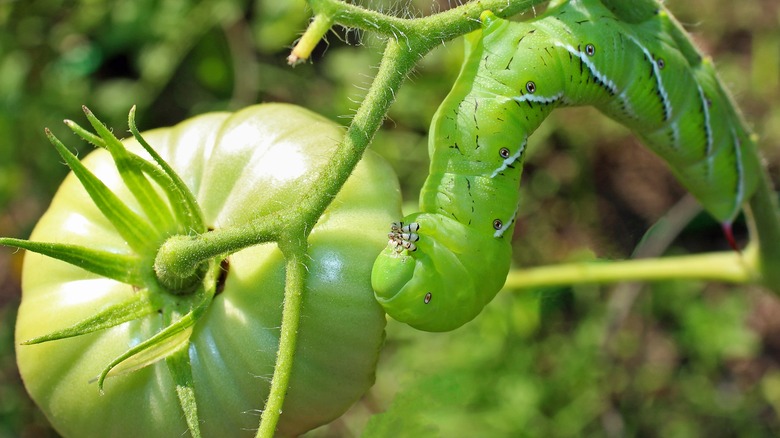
{"x": 238, "y": 165}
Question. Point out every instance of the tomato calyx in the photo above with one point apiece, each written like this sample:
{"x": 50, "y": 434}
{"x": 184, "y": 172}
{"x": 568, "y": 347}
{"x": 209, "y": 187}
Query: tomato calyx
{"x": 161, "y": 208}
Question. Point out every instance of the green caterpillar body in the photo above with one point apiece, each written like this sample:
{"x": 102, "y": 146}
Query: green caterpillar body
{"x": 443, "y": 265}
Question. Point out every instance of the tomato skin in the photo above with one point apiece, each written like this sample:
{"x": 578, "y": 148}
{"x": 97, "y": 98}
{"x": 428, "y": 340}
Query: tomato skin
{"x": 239, "y": 166}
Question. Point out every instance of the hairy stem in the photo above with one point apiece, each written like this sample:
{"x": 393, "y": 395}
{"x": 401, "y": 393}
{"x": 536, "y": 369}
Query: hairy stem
{"x": 294, "y": 250}
{"x": 316, "y": 30}
{"x": 436, "y": 28}
{"x": 396, "y": 64}
{"x": 178, "y": 260}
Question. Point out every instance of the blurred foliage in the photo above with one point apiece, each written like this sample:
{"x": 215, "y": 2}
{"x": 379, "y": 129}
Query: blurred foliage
{"x": 667, "y": 359}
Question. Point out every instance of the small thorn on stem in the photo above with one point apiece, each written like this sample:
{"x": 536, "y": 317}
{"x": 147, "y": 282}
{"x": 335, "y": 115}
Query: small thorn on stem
{"x": 729, "y": 233}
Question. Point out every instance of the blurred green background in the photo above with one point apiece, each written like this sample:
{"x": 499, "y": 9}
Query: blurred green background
{"x": 682, "y": 359}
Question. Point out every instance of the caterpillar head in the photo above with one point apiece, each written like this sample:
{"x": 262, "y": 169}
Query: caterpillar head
{"x": 440, "y": 275}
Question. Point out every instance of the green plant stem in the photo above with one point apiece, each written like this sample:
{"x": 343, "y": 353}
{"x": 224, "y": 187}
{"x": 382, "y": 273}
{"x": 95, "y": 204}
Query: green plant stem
{"x": 319, "y": 26}
{"x": 396, "y": 64}
{"x": 178, "y": 260}
{"x": 400, "y": 56}
{"x": 766, "y": 229}
{"x": 437, "y": 28}
{"x": 294, "y": 250}
{"x": 730, "y": 266}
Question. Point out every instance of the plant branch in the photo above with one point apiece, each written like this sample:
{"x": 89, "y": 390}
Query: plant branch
{"x": 396, "y": 64}
{"x": 766, "y": 231}
{"x": 294, "y": 249}
{"x": 437, "y": 28}
{"x": 729, "y": 266}
{"x": 178, "y": 260}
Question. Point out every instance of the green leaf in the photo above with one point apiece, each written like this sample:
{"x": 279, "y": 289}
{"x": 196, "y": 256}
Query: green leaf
{"x": 138, "y": 306}
{"x": 132, "y": 227}
{"x": 124, "y": 268}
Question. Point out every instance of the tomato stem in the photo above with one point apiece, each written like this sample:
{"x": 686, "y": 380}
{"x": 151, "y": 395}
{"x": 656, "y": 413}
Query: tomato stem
{"x": 727, "y": 266}
{"x": 413, "y": 39}
{"x": 303, "y": 48}
{"x": 180, "y": 259}
{"x": 294, "y": 250}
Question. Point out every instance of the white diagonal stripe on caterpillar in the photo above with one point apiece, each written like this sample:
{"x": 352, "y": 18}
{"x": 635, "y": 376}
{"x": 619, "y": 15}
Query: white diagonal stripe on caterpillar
{"x": 535, "y": 98}
{"x": 507, "y": 162}
{"x": 667, "y": 105}
{"x": 707, "y": 129}
{"x": 585, "y": 59}
{"x": 507, "y": 224}
{"x": 740, "y": 195}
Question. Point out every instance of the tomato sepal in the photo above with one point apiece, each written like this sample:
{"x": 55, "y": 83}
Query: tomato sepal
{"x": 149, "y": 199}
{"x": 178, "y": 364}
{"x": 130, "y": 225}
{"x": 166, "y": 341}
{"x": 187, "y": 211}
{"x": 138, "y": 306}
{"x": 120, "y": 267}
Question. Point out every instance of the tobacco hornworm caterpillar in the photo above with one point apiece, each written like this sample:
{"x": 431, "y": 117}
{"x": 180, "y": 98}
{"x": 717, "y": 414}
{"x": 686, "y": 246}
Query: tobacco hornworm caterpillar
{"x": 630, "y": 60}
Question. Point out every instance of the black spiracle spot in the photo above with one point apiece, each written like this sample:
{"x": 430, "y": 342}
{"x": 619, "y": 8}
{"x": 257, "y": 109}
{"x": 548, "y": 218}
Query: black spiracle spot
{"x": 590, "y": 49}
{"x": 530, "y": 87}
{"x": 504, "y": 153}
{"x": 427, "y": 298}
{"x": 661, "y": 63}
{"x": 497, "y": 224}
